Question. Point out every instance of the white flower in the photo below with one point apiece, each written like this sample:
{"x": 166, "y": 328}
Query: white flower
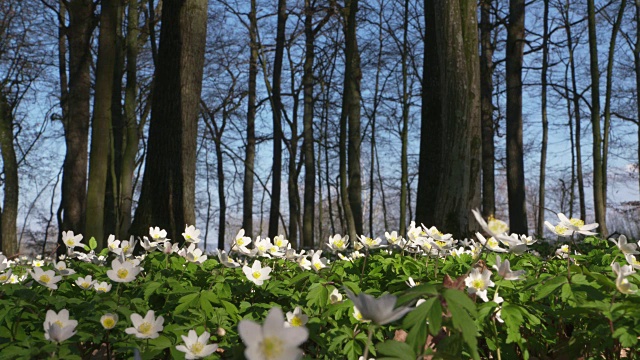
{"x": 85, "y": 282}
{"x": 241, "y": 242}
{"x": 273, "y": 341}
{"x": 70, "y": 240}
{"x": 109, "y": 321}
{"x": 577, "y": 225}
{"x": 563, "y": 251}
{"x": 112, "y": 243}
{"x": 168, "y": 248}
{"x": 338, "y": 243}
{"x": 256, "y": 273}
{"x": 197, "y": 347}
{"x": 123, "y": 271}
{"x": 498, "y": 311}
{"x": 226, "y": 260}
{"x": 358, "y": 315}
{"x": 47, "y": 278}
{"x": 5, "y": 276}
{"x": 624, "y": 246}
{"x": 477, "y": 283}
{"x": 147, "y": 327}
{"x": 304, "y": 263}
{"x": 262, "y": 246}
{"x": 296, "y": 318}
{"x": 370, "y": 243}
{"x": 633, "y": 261}
{"x": 149, "y": 245}
{"x": 436, "y": 234}
{"x": 392, "y": 238}
{"x": 335, "y": 296}
{"x": 4, "y": 263}
{"x": 194, "y": 254}
{"x": 504, "y": 270}
{"x": 356, "y": 254}
{"x": 410, "y": 282}
{"x": 102, "y": 287}
{"x": 191, "y": 234}
{"x": 58, "y": 327}
{"x": 157, "y": 234}
{"x": 37, "y": 263}
{"x": 622, "y": 283}
{"x": 381, "y": 310}
{"x": 280, "y": 242}
{"x": 61, "y": 268}
{"x": 491, "y": 243}
{"x": 494, "y": 227}
{"x": 317, "y": 262}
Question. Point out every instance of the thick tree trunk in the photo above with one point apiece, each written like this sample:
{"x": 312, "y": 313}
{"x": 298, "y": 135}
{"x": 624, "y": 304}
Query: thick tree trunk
{"x": 250, "y": 151}
{"x": 453, "y": 112}
{"x": 598, "y": 172}
{"x": 276, "y": 180}
{"x": 545, "y": 122}
{"x": 76, "y": 123}
{"x": 167, "y": 199}
{"x": 101, "y": 126}
{"x": 515, "y": 154}
{"x": 486, "y": 109}
{"x": 8, "y": 241}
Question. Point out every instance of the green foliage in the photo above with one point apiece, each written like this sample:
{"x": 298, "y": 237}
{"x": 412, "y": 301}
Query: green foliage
{"x": 559, "y": 308}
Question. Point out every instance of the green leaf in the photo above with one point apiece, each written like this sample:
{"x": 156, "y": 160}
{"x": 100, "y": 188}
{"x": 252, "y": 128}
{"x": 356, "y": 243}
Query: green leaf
{"x": 395, "y": 350}
{"x": 318, "y": 295}
{"x": 626, "y": 339}
{"x": 186, "y": 301}
{"x": 93, "y": 243}
{"x": 463, "y": 313}
{"x": 550, "y": 286}
{"x": 150, "y": 289}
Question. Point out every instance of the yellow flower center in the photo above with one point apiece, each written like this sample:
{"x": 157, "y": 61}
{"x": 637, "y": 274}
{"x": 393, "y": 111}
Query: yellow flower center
{"x": 369, "y": 241}
{"x": 492, "y": 243}
{"x": 122, "y": 273}
{"x": 560, "y": 229}
{"x": 45, "y": 279}
{"x": 188, "y": 237}
{"x": 3, "y": 277}
{"x": 125, "y": 248}
{"x": 256, "y": 274}
{"x": 441, "y": 243}
{"x": 497, "y": 226}
{"x": 59, "y": 323}
{"x": 102, "y": 288}
{"x": 271, "y": 347}
{"x": 576, "y": 222}
{"x": 296, "y": 321}
{"x": 70, "y": 242}
{"x": 145, "y": 328}
{"x": 477, "y": 284}
{"x": 85, "y": 285}
{"x": 635, "y": 262}
{"x": 197, "y": 348}
{"x": 318, "y": 265}
{"x": 339, "y": 244}
{"x": 109, "y": 323}
{"x": 564, "y": 248}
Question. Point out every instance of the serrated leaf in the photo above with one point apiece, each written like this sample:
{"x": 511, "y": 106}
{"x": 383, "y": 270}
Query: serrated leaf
{"x": 186, "y": 301}
{"x": 550, "y": 286}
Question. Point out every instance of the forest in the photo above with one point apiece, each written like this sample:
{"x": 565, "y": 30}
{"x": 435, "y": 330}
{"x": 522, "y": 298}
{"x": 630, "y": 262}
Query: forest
{"x": 310, "y": 118}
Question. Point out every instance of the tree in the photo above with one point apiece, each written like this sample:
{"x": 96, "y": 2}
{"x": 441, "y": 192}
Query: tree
{"x": 250, "y": 150}
{"x": 545, "y": 122}
{"x": 167, "y": 198}
{"x": 515, "y": 154}
{"x": 75, "y": 101}
{"x": 450, "y": 161}
{"x": 276, "y": 104}
{"x": 101, "y": 124}
{"x": 599, "y": 196}
{"x": 486, "y": 109}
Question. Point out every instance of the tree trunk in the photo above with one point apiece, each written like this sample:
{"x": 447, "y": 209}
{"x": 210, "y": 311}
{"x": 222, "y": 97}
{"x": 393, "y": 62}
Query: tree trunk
{"x": 76, "y": 123}
{"x": 515, "y": 155}
{"x": 352, "y": 100}
{"x": 607, "y": 98}
{"x": 598, "y": 172}
{"x": 451, "y": 95}
{"x": 130, "y": 150}
{"x": 636, "y": 62}
{"x": 276, "y": 181}
{"x": 250, "y": 152}
{"x": 167, "y": 199}
{"x": 486, "y": 109}
{"x": 404, "y": 162}
{"x": 8, "y": 241}
{"x": 101, "y": 123}
{"x": 307, "y": 120}
{"x": 545, "y": 123}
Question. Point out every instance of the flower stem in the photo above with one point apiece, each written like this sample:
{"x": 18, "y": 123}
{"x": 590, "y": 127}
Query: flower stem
{"x": 365, "y": 356}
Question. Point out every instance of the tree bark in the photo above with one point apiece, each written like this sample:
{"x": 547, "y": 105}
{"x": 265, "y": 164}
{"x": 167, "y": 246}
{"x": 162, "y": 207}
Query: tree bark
{"x": 515, "y": 154}
{"x": 636, "y": 62}
{"x": 76, "y": 123}
{"x": 307, "y": 120}
{"x": 167, "y": 199}
{"x": 8, "y": 238}
{"x": 351, "y": 110}
{"x": 404, "y": 162}
{"x": 486, "y": 109}
{"x": 598, "y": 172}
{"x": 545, "y": 122}
{"x": 101, "y": 126}
{"x": 451, "y": 95}
{"x": 250, "y": 151}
